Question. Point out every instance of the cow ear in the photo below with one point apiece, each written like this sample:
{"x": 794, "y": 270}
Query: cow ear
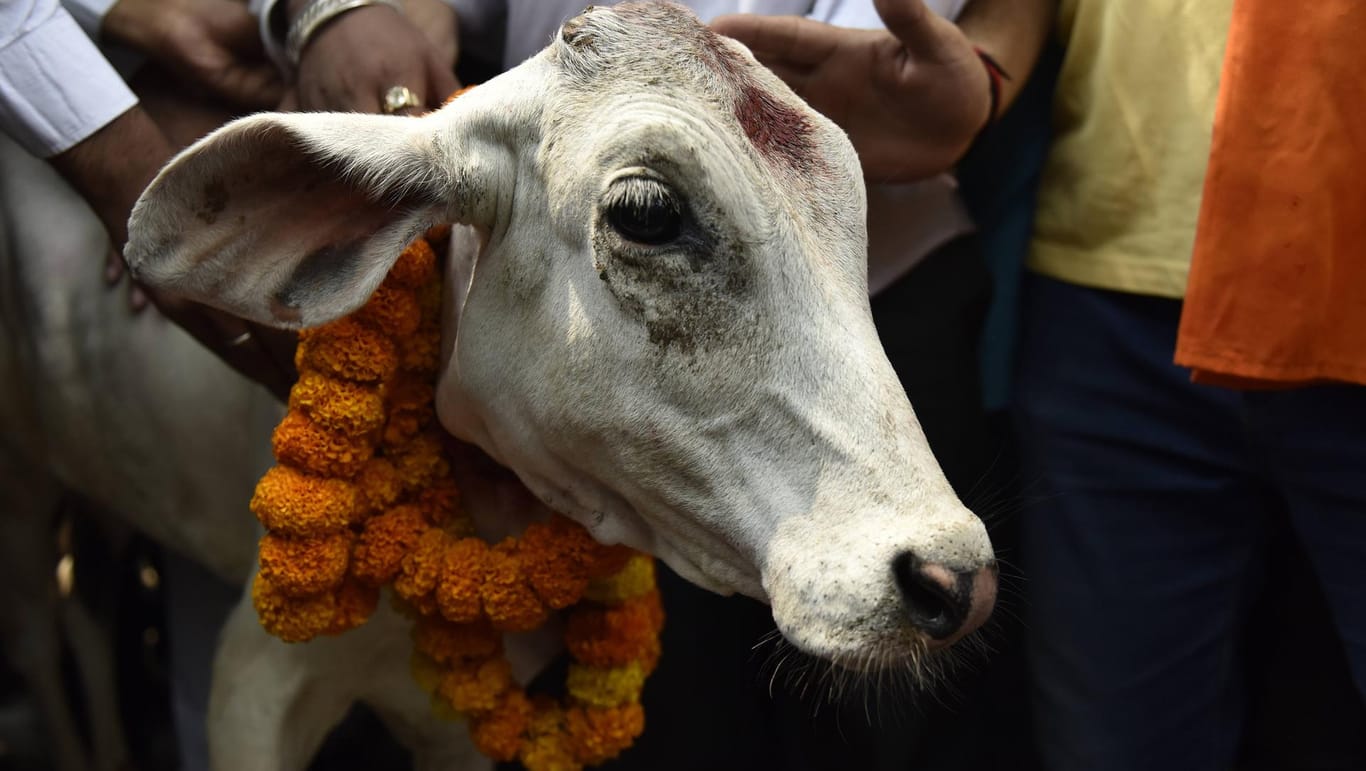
{"x": 293, "y": 220}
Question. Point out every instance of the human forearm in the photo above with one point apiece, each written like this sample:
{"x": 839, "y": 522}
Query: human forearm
{"x": 111, "y": 167}
{"x": 1012, "y": 32}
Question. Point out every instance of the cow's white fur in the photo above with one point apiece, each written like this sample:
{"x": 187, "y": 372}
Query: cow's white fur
{"x": 720, "y": 400}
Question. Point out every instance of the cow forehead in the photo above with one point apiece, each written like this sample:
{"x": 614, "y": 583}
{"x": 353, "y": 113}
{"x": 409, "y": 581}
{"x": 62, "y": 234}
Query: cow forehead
{"x": 665, "y": 46}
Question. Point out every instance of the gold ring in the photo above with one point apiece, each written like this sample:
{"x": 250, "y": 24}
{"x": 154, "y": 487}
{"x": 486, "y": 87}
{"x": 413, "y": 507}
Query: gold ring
{"x": 240, "y": 339}
{"x": 399, "y": 98}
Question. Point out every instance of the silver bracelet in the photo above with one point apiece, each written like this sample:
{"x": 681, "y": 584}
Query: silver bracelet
{"x": 315, "y": 15}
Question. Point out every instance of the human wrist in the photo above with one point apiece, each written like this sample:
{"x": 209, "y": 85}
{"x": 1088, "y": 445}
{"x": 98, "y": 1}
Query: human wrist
{"x": 308, "y": 18}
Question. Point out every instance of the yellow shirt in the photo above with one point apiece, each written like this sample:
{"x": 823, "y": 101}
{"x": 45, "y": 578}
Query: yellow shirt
{"x": 1133, "y": 116}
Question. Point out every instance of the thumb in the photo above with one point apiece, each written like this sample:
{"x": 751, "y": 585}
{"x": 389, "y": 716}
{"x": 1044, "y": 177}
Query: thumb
{"x": 918, "y": 28}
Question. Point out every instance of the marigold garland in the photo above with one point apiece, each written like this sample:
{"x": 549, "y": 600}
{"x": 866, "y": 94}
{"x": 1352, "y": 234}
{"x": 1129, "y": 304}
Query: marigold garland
{"x": 363, "y": 498}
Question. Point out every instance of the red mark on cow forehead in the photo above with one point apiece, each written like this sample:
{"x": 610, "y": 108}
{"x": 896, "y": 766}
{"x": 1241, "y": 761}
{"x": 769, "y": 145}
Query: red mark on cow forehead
{"x": 781, "y": 133}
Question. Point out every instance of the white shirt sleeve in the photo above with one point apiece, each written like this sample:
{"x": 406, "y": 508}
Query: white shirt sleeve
{"x": 274, "y": 44}
{"x": 89, "y": 14}
{"x": 56, "y": 88}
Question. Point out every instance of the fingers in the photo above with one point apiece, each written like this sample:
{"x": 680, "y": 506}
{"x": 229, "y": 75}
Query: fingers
{"x": 252, "y": 86}
{"x": 441, "y": 81}
{"x": 790, "y": 41}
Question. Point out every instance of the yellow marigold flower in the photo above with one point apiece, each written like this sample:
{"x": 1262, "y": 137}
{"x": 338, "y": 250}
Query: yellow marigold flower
{"x": 473, "y": 688}
{"x": 300, "y": 567}
{"x": 463, "y": 569}
{"x": 421, "y": 570}
{"x": 605, "y": 687}
{"x": 415, "y": 267}
{"x": 347, "y": 349}
{"x": 392, "y": 310}
{"x": 599, "y": 734}
{"x": 303, "y": 444}
{"x": 291, "y": 620}
{"x": 379, "y": 485}
{"x": 617, "y": 636}
{"x": 547, "y": 747}
{"x": 425, "y": 670}
{"x": 343, "y": 406}
{"x": 633, "y": 580}
{"x": 509, "y": 600}
{"x": 356, "y": 602}
{"x": 420, "y": 462}
{"x": 447, "y": 643}
{"x": 499, "y": 733}
{"x": 384, "y": 542}
{"x": 291, "y": 502}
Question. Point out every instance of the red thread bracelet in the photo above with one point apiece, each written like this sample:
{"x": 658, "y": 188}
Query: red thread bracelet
{"x": 995, "y": 74}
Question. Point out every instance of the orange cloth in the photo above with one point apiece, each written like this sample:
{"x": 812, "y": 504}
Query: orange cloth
{"x": 1277, "y": 290}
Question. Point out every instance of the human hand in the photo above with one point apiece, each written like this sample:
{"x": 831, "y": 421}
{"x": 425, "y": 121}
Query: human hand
{"x": 911, "y": 98}
{"x": 354, "y": 59}
{"x": 212, "y": 43}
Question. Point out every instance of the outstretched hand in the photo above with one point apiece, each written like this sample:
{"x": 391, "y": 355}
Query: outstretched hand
{"x": 211, "y": 43}
{"x": 352, "y": 61}
{"x": 912, "y": 98}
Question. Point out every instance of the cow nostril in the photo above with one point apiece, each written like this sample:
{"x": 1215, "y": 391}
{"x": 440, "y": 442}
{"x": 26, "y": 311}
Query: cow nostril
{"x": 934, "y": 597}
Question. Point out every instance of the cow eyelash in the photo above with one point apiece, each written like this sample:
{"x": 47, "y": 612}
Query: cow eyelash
{"x": 644, "y": 211}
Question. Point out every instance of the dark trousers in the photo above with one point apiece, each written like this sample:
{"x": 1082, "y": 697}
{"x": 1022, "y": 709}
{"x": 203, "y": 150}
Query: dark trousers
{"x": 1155, "y": 510}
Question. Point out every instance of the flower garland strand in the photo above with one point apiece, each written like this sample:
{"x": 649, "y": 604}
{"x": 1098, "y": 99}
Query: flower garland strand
{"x": 363, "y": 497}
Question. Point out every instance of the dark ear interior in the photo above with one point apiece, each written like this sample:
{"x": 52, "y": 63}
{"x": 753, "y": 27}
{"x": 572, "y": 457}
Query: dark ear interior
{"x": 289, "y": 220}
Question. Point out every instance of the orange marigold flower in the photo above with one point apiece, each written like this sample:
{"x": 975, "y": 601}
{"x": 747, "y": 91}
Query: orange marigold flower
{"x": 392, "y": 310}
{"x": 301, "y": 443}
{"x": 509, "y": 600}
{"x": 299, "y": 567}
{"x": 356, "y": 602}
{"x": 599, "y": 734}
{"x": 290, "y": 502}
{"x": 446, "y": 643}
{"x": 554, "y": 555}
{"x": 499, "y": 733}
{"x": 415, "y": 266}
{"x": 474, "y": 687}
{"x": 420, "y": 462}
{"x": 440, "y": 502}
{"x": 291, "y": 620}
{"x": 463, "y": 568}
{"x": 607, "y": 560}
{"x": 420, "y": 353}
{"x": 634, "y": 579}
{"x": 598, "y": 687}
{"x": 347, "y": 349}
{"x": 411, "y": 409}
{"x": 385, "y": 541}
{"x": 337, "y": 405}
{"x": 617, "y": 636}
{"x": 422, "y": 568}
{"x": 379, "y": 485}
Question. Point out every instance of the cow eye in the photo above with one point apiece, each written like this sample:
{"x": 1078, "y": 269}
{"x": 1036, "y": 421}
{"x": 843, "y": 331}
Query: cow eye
{"x": 646, "y": 212}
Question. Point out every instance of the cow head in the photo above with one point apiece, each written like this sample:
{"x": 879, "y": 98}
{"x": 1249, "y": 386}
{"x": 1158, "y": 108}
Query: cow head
{"x": 658, "y": 313}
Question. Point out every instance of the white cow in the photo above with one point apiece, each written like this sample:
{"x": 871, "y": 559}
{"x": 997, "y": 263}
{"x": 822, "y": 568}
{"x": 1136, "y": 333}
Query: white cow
{"x": 658, "y": 319}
